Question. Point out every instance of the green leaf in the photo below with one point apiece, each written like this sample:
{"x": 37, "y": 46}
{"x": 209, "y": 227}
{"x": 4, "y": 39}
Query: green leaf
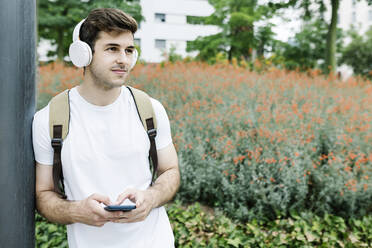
{"x": 311, "y": 236}
{"x": 234, "y": 242}
{"x": 353, "y": 238}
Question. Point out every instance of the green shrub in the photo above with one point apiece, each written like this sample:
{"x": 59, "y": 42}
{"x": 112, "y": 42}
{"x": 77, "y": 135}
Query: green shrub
{"x": 194, "y": 227}
{"x": 49, "y": 234}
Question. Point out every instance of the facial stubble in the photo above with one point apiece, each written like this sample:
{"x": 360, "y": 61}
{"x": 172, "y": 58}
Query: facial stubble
{"x": 100, "y": 82}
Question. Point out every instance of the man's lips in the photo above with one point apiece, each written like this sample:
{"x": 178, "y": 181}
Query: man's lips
{"x": 119, "y": 71}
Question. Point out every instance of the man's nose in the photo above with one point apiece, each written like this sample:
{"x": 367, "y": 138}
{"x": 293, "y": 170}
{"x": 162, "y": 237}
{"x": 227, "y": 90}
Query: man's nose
{"x": 123, "y": 58}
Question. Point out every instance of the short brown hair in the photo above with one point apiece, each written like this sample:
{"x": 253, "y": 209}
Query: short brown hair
{"x": 107, "y": 20}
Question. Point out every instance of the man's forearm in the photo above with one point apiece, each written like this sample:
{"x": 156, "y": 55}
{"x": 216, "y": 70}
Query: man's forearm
{"x": 54, "y": 208}
{"x": 165, "y": 187}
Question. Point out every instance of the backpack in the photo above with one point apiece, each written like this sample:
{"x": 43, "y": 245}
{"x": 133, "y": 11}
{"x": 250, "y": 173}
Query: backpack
{"x": 59, "y": 118}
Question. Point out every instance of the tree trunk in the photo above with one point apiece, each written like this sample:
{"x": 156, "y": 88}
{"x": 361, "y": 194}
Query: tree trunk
{"x": 330, "y": 60}
{"x": 253, "y": 55}
{"x": 229, "y": 54}
{"x": 60, "y": 52}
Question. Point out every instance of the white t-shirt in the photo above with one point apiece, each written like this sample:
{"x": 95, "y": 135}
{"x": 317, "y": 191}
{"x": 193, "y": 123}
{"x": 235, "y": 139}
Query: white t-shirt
{"x": 105, "y": 152}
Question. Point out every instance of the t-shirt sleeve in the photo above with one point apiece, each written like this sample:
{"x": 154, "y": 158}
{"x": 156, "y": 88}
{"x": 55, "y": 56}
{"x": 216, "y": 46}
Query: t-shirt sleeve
{"x": 40, "y": 137}
{"x": 163, "y": 136}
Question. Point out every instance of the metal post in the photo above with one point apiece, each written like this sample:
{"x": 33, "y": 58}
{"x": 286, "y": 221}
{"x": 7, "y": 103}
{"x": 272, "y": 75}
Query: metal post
{"x": 17, "y": 106}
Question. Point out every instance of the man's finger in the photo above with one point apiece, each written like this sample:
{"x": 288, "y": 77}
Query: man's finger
{"x": 128, "y": 220}
{"x": 126, "y": 194}
{"x": 139, "y": 202}
{"x": 106, "y": 215}
{"x": 101, "y": 199}
{"x": 125, "y": 216}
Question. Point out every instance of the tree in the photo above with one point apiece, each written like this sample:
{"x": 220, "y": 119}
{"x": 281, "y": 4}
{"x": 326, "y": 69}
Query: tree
{"x": 264, "y": 38}
{"x": 57, "y": 18}
{"x": 306, "y": 50}
{"x": 238, "y": 37}
{"x": 358, "y": 54}
{"x": 330, "y": 54}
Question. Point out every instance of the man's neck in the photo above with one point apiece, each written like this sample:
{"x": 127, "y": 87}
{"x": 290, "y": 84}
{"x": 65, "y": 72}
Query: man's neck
{"x": 98, "y": 95}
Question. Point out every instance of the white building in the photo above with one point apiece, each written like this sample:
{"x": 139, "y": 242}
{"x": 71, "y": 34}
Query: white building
{"x": 356, "y": 13}
{"x": 166, "y": 25}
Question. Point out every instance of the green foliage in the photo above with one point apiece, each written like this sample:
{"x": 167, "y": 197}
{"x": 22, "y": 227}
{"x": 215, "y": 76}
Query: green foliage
{"x": 194, "y": 19}
{"x": 236, "y": 19}
{"x": 331, "y": 39}
{"x": 358, "y": 54}
{"x": 195, "y": 227}
{"x": 49, "y": 234}
{"x": 208, "y": 47}
{"x": 264, "y": 38}
{"x": 172, "y": 56}
{"x": 306, "y": 50}
{"x": 57, "y": 18}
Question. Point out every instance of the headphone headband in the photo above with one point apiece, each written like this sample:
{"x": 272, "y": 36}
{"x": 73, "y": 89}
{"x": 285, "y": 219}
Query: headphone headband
{"x": 76, "y": 33}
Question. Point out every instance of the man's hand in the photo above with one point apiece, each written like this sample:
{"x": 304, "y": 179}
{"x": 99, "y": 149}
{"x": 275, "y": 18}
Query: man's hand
{"x": 91, "y": 212}
{"x": 144, "y": 204}
{"x": 161, "y": 192}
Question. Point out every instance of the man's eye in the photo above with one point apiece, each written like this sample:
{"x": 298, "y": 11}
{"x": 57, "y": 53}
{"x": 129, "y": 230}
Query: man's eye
{"x": 130, "y": 51}
{"x": 112, "y": 49}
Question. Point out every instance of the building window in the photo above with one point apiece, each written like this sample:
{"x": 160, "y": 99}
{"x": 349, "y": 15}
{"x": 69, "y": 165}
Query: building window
{"x": 354, "y": 3}
{"x": 137, "y": 42}
{"x": 370, "y": 15}
{"x": 160, "y": 44}
{"x": 159, "y": 17}
{"x": 353, "y": 17}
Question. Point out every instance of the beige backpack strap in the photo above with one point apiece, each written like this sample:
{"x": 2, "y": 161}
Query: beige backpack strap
{"x": 144, "y": 106}
{"x": 59, "y": 119}
{"x": 147, "y": 117}
{"x": 59, "y": 113}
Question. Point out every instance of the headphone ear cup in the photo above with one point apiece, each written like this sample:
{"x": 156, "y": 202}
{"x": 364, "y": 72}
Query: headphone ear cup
{"x": 135, "y": 57}
{"x": 80, "y": 53}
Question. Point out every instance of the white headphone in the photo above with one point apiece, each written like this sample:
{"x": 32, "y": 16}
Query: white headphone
{"x": 81, "y": 53}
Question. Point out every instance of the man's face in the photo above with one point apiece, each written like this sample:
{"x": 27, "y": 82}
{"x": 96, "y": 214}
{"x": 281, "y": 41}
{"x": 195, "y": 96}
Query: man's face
{"x": 112, "y": 57}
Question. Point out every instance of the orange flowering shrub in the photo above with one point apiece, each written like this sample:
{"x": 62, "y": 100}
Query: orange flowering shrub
{"x": 53, "y": 78}
{"x": 260, "y": 145}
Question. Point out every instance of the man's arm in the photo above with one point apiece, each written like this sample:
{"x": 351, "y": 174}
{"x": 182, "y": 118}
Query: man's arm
{"x": 168, "y": 181}
{"x": 55, "y": 209}
{"x": 163, "y": 190}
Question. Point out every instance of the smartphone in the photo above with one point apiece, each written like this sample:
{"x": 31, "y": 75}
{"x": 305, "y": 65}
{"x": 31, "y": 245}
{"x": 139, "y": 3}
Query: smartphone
{"x": 124, "y": 208}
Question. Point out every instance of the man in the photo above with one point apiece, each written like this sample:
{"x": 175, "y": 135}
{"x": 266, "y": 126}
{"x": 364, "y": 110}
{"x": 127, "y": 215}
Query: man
{"x": 105, "y": 155}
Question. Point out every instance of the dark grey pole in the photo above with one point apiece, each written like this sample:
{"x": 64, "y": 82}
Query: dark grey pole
{"x": 17, "y": 106}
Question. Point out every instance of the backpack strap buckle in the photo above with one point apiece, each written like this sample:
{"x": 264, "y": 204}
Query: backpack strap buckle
{"x": 56, "y": 143}
{"x": 151, "y": 133}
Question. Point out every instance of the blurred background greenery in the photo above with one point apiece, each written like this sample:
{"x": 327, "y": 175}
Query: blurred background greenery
{"x": 319, "y": 44}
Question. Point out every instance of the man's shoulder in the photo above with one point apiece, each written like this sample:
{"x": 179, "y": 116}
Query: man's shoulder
{"x": 40, "y": 123}
{"x": 155, "y": 103}
{"x": 157, "y": 106}
{"x": 42, "y": 114}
